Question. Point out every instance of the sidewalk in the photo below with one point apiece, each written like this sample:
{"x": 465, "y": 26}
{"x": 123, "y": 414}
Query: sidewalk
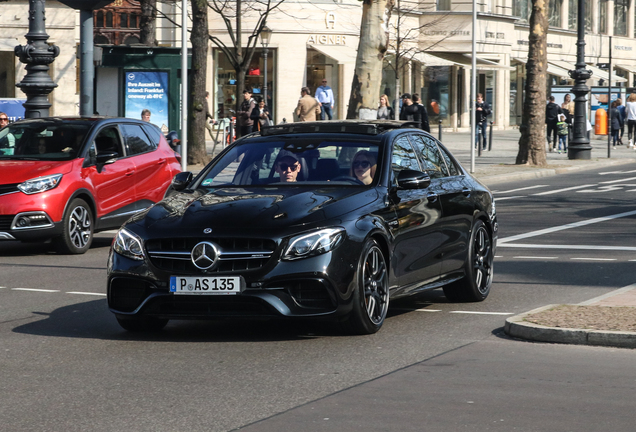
{"x": 608, "y": 320}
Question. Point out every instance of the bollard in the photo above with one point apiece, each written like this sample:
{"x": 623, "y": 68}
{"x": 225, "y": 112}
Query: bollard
{"x": 440, "y": 131}
{"x": 490, "y": 137}
{"x": 231, "y": 137}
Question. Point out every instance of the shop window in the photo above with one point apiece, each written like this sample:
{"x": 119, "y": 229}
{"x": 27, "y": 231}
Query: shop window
{"x": 620, "y": 17}
{"x": 435, "y": 94}
{"x": 602, "y": 16}
{"x": 7, "y": 74}
{"x": 123, "y": 20}
{"x": 554, "y": 13}
{"x": 99, "y": 19}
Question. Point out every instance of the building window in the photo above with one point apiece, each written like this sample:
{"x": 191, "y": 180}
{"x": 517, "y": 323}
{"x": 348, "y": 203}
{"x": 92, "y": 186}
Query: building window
{"x": 134, "y": 21}
{"x": 522, "y": 9}
{"x": 554, "y": 13}
{"x": 620, "y": 17}
{"x": 573, "y": 14}
{"x": 99, "y": 19}
{"x": 443, "y": 5}
{"x": 7, "y": 74}
{"x": 109, "y": 19}
{"x": 602, "y": 16}
{"x": 123, "y": 20}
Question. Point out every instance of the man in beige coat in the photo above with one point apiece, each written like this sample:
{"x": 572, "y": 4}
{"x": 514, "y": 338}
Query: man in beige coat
{"x": 308, "y": 107}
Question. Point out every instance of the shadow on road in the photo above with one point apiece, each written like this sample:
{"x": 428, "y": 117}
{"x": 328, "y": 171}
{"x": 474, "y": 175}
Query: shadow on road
{"x": 15, "y": 248}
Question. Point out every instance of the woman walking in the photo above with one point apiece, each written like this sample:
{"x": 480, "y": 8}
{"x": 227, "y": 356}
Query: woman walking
{"x": 630, "y": 107}
{"x": 385, "y": 112}
{"x": 615, "y": 121}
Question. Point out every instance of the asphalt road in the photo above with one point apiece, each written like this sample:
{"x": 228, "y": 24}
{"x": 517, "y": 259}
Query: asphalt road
{"x": 66, "y": 365}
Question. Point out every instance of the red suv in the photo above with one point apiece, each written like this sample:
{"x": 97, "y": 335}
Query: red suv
{"x": 66, "y": 178}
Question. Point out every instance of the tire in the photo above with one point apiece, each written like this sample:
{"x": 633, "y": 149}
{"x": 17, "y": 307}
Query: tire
{"x": 77, "y": 229}
{"x": 475, "y": 285}
{"x": 371, "y": 295}
{"x": 142, "y": 324}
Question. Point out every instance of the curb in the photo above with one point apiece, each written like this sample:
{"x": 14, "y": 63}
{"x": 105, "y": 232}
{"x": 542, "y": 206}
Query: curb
{"x": 517, "y": 327}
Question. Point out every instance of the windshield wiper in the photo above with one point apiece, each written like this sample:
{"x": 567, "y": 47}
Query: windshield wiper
{"x": 20, "y": 158}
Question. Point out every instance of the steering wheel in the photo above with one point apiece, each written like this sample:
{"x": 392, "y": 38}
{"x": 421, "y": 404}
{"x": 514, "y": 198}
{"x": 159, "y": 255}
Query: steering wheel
{"x": 353, "y": 180}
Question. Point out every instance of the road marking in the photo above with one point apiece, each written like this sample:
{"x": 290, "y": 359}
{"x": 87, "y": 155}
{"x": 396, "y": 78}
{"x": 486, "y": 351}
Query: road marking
{"x": 520, "y": 189}
{"x": 535, "y": 257}
{"x": 594, "y": 259}
{"x": 428, "y": 310}
{"x": 507, "y": 198}
{"x": 564, "y": 190}
{"x": 86, "y": 293}
{"x": 481, "y": 313}
{"x": 575, "y": 247}
{"x": 415, "y": 310}
{"x": 564, "y": 227}
{"x": 618, "y": 181}
{"x": 617, "y": 172}
{"x": 35, "y": 289}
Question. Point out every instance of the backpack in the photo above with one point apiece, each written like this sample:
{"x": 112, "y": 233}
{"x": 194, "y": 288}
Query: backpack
{"x": 562, "y": 128}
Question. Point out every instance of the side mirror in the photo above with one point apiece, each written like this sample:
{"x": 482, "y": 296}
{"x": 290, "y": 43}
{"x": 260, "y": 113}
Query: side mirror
{"x": 181, "y": 180}
{"x": 412, "y": 179}
{"x": 106, "y": 158}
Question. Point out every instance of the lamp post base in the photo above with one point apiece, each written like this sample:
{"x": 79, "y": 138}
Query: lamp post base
{"x": 582, "y": 151}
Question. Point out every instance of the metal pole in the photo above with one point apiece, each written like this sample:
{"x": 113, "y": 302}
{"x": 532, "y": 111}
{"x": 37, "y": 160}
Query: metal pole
{"x": 184, "y": 85}
{"x": 87, "y": 74}
{"x": 473, "y": 90}
{"x": 609, "y": 103}
{"x": 440, "y": 130}
{"x": 490, "y": 137}
{"x": 580, "y": 147}
{"x": 265, "y": 76}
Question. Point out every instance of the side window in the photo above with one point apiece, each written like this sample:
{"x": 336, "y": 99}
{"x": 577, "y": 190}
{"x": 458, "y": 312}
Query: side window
{"x": 452, "y": 167}
{"x": 107, "y": 140}
{"x": 430, "y": 156}
{"x": 403, "y": 155}
{"x": 153, "y": 133}
{"x": 136, "y": 140}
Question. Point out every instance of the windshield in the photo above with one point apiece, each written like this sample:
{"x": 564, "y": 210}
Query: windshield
{"x": 43, "y": 140}
{"x": 322, "y": 162}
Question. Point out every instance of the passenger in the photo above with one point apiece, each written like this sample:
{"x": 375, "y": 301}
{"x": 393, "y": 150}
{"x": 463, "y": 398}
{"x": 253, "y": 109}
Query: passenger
{"x": 363, "y": 166}
{"x": 287, "y": 167}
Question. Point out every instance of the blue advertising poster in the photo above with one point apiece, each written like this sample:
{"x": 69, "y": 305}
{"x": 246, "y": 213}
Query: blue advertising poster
{"x": 12, "y": 108}
{"x": 147, "y": 90}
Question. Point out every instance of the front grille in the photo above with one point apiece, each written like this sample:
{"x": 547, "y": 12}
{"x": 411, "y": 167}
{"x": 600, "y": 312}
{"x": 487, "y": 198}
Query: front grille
{"x": 127, "y": 294}
{"x": 5, "y": 222}
{"x": 235, "y": 255}
{"x": 311, "y": 294}
{"x": 219, "y": 306}
{"x": 8, "y": 188}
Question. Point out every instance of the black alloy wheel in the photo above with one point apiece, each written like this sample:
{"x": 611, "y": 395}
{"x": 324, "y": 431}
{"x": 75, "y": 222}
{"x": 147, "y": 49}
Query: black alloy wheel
{"x": 371, "y": 298}
{"x": 77, "y": 229}
{"x": 475, "y": 285}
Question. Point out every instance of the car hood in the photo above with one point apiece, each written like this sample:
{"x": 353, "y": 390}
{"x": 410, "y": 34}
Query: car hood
{"x": 261, "y": 208}
{"x": 17, "y": 171}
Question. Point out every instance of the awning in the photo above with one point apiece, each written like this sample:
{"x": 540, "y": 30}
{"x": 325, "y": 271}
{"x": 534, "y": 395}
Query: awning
{"x": 465, "y": 60}
{"x": 341, "y": 53}
{"x": 552, "y": 68}
{"x": 596, "y": 72}
{"x": 628, "y": 68}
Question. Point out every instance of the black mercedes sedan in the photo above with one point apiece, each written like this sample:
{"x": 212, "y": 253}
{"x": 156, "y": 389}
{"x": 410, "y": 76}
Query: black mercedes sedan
{"x": 319, "y": 219}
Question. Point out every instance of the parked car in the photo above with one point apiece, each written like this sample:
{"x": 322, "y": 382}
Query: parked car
{"x": 67, "y": 178}
{"x": 316, "y": 219}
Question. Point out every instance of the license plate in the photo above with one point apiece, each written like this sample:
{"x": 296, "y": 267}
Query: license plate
{"x": 218, "y": 285}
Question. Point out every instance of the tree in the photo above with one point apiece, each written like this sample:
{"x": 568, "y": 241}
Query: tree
{"x": 199, "y": 35}
{"x": 147, "y": 22}
{"x": 372, "y": 47}
{"x": 532, "y": 141}
{"x": 232, "y": 13}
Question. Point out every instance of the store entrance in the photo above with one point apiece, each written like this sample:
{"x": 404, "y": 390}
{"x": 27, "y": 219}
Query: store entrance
{"x": 320, "y": 67}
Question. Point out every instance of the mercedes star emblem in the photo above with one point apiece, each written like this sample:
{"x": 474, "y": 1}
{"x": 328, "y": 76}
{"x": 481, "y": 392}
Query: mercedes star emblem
{"x": 207, "y": 231}
{"x": 204, "y": 255}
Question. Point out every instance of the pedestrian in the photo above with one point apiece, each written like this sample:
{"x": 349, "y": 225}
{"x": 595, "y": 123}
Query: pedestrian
{"x": 562, "y": 132}
{"x": 208, "y": 124}
{"x": 261, "y": 116}
{"x": 410, "y": 111}
{"x": 552, "y": 112}
{"x": 630, "y": 107}
{"x": 567, "y": 108}
{"x": 482, "y": 111}
{"x": 385, "y": 112}
{"x": 616, "y": 122}
{"x": 621, "y": 109}
{"x": 145, "y": 115}
{"x": 244, "y": 122}
{"x": 423, "y": 114}
{"x": 324, "y": 95}
{"x": 308, "y": 108}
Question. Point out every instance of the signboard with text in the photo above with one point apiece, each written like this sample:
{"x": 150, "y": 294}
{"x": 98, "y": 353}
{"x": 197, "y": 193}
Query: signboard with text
{"x": 147, "y": 90}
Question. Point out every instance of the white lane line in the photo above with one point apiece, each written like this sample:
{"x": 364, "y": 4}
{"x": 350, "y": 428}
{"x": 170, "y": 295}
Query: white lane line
{"x": 520, "y": 189}
{"x": 563, "y": 190}
{"x": 86, "y": 293}
{"x": 594, "y": 259}
{"x": 535, "y": 257}
{"x": 617, "y": 172}
{"x": 618, "y": 181}
{"x": 481, "y": 313}
{"x": 35, "y": 289}
{"x": 573, "y": 247}
{"x": 415, "y": 310}
{"x": 564, "y": 227}
{"x": 428, "y": 310}
{"x": 507, "y": 198}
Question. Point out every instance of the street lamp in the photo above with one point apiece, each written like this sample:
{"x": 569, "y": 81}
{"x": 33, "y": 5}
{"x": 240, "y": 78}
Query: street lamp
{"x": 580, "y": 147}
{"x": 266, "y": 33}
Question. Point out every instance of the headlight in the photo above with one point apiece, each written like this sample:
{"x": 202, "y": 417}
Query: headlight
{"x": 316, "y": 243}
{"x": 128, "y": 245}
{"x": 40, "y": 184}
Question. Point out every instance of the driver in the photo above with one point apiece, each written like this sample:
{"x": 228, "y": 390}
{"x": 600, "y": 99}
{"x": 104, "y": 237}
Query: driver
{"x": 287, "y": 167}
{"x": 363, "y": 166}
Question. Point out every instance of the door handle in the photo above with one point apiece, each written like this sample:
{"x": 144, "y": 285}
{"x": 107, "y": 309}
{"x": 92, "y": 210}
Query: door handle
{"x": 466, "y": 191}
{"x": 129, "y": 173}
{"x": 432, "y": 197}
{"x": 161, "y": 161}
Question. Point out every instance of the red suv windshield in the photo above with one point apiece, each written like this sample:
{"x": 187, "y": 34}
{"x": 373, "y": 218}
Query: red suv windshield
{"x": 43, "y": 140}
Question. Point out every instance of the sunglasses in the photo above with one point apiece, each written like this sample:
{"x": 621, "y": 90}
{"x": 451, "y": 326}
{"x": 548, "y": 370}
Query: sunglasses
{"x": 361, "y": 164}
{"x": 283, "y": 166}
{"x": 4, "y": 119}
